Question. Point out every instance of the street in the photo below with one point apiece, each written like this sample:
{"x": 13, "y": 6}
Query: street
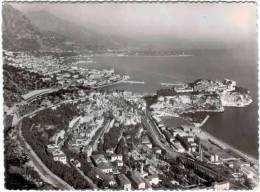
{"x": 43, "y": 171}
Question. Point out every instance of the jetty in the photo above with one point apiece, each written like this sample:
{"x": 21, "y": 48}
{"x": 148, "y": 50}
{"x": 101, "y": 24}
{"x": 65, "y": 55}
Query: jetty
{"x": 173, "y": 84}
{"x": 133, "y": 82}
{"x": 202, "y": 122}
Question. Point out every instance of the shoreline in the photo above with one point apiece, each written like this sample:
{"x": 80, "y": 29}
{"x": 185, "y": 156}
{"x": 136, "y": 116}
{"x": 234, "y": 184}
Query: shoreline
{"x": 225, "y": 146}
{"x": 202, "y": 133}
{"x": 122, "y": 81}
{"x": 187, "y": 55}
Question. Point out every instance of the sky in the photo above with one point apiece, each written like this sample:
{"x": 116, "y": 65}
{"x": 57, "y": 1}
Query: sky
{"x": 194, "y": 24}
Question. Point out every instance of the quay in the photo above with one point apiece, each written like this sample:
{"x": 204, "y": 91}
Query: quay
{"x": 134, "y": 82}
{"x": 172, "y": 84}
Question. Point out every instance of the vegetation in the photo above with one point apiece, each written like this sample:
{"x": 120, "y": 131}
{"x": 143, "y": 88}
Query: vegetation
{"x": 111, "y": 138}
{"x": 24, "y": 80}
{"x": 150, "y": 100}
{"x": 68, "y": 174}
{"x": 19, "y": 81}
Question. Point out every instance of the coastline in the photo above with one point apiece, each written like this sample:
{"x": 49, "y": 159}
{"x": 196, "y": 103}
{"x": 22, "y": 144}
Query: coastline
{"x": 225, "y": 145}
{"x": 100, "y": 55}
{"x": 206, "y": 135}
{"x": 202, "y": 133}
{"x": 125, "y": 81}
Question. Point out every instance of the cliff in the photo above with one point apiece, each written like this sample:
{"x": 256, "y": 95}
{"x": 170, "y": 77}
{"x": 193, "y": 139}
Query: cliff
{"x": 238, "y": 98}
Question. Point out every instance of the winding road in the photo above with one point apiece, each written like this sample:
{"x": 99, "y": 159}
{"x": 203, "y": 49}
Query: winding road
{"x": 45, "y": 173}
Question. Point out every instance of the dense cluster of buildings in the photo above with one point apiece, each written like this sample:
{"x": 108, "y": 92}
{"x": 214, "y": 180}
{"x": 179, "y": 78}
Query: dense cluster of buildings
{"x": 201, "y": 96}
{"x": 130, "y": 158}
{"x": 113, "y": 172}
{"x": 141, "y": 164}
{"x": 98, "y": 113}
{"x": 210, "y": 86}
{"x": 206, "y": 86}
{"x": 186, "y": 139}
{"x": 58, "y": 69}
{"x": 184, "y": 103}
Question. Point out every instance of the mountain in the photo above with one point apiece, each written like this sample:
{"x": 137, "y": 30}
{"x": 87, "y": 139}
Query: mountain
{"x": 44, "y": 31}
{"x": 85, "y": 37}
{"x": 18, "y": 32}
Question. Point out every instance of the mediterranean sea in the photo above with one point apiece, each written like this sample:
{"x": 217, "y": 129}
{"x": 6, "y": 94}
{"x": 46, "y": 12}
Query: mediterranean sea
{"x": 236, "y": 126}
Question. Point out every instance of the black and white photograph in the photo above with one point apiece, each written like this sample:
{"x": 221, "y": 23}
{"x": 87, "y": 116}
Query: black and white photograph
{"x": 130, "y": 96}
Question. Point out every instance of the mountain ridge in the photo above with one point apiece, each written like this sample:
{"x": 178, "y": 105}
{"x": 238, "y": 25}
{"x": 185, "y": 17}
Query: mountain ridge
{"x": 44, "y": 31}
{"x": 85, "y": 37}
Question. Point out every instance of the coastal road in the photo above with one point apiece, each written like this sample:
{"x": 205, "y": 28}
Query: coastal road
{"x": 31, "y": 95}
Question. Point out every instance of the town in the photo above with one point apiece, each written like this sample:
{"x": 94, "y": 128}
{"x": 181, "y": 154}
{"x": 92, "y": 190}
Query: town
{"x": 58, "y": 70}
{"x": 85, "y": 137}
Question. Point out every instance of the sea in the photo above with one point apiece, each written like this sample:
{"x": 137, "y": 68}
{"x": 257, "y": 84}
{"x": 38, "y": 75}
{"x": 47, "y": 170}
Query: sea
{"x": 236, "y": 126}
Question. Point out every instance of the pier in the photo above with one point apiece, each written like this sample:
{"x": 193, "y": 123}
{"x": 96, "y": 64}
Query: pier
{"x": 203, "y": 122}
{"x": 173, "y": 84}
{"x": 133, "y": 82}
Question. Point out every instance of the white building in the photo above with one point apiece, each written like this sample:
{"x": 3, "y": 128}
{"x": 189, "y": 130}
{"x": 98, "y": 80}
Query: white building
{"x": 105, "y": 167}
{"x": 225, "y": 185}
{"x": 177, "y": 145}
{"x": 116, "y": 157}
{"x": 58, "y": 155}
{"x": 153, "y": 179}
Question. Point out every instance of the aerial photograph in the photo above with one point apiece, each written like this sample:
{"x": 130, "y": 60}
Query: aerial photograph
{"x": 130, "y": 96}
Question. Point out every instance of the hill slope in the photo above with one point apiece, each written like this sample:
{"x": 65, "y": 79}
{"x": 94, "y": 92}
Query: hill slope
{"x": 44, "y": 31}
{"x": 18, "y": 32}
{"x": 85, "y": 37}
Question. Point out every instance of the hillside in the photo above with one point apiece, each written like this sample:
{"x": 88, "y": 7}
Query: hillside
{"x": 85, "y": 37}
{"x": 46, "y": 32}
{"x": 18, "y": 32}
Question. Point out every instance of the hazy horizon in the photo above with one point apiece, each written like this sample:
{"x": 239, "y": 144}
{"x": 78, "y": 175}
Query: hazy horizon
{"x": 194, "y": 25}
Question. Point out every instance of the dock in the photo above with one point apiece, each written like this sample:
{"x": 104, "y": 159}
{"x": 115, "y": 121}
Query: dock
{"x": 133, "y": 82}
{"x": 172, "y": 84}
{"x": 203, "y": 122}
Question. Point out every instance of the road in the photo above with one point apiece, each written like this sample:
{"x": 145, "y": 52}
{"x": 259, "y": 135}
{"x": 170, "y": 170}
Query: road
{"x": 43, "y": 171}
{"x": 40, "y": 167}
{"x": 47, "y": 175}
{"x": 36, "y": 93}
{"x": 153, "y": 130}
{"x": 155, "y": 134}
{"x": 100, "y": 134}
{"x": 59, "y": 183}
{"x": 173, "y": 154}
